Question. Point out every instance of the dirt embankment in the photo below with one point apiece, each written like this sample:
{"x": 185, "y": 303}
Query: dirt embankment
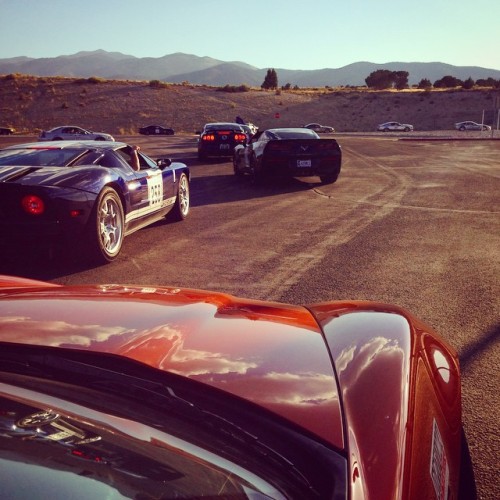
{"x": 30, "y": 104}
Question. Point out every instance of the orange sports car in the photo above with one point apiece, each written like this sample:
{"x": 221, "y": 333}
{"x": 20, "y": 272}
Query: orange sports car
{"x": 118, "y": 391}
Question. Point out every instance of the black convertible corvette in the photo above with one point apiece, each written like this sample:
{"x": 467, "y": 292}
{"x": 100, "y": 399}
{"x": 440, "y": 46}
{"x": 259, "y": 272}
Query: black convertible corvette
{"x": 288, "y": 152}
{"x": 88, "y": 192}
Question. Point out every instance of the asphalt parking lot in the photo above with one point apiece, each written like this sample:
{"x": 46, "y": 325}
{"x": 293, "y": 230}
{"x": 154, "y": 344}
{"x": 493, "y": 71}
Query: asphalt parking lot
{"x": 410, "y": 222}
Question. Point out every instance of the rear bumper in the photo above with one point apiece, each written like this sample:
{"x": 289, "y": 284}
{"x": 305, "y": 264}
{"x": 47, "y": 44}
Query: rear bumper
{"x": 288, "y": 167}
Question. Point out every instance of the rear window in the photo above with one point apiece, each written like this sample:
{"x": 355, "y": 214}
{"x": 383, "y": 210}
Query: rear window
{"x": 223, "y": 126}
{"x": 38, "y": 157}
{"x": 294, "y": 134}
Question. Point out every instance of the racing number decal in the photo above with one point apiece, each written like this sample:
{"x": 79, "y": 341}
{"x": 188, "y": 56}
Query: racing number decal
{"x": 155, "y": 190}
{"x": 440, "y": 472}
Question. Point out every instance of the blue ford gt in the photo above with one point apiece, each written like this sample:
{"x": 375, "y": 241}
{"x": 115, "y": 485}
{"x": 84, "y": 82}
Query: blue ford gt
{"x": 87, "y": 190}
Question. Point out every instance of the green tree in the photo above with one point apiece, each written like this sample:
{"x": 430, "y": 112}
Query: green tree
{"x": 380, "y": 79}
{"x": 271, "y": 80}
{"x": 401, "y": 79}
{"x": 425, "y": 83}
{"x": 468, "y": 84}
{"x": 447, "y": 81}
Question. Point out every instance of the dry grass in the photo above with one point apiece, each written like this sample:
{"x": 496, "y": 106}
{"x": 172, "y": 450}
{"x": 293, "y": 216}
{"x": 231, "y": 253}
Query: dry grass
{"x": 30, "y": 104}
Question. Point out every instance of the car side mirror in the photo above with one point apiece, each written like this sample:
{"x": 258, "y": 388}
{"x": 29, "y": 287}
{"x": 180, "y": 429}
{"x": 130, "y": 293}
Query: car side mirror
{"x": 164, "y": 162}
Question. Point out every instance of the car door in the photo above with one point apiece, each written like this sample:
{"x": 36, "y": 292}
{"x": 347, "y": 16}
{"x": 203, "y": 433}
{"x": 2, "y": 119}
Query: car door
{"x": 68, "y": 133}
{"x": 154, "y": 192}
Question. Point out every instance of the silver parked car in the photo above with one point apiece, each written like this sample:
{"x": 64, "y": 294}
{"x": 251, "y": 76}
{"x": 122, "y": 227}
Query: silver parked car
{"x": 468, "y": 125}
{"x": 73, "y": 133}
{"x": 394, "y": 127}
{"x": 319, "y": 128}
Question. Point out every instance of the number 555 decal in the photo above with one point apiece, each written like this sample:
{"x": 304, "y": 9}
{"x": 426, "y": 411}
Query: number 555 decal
{"x": 155, "y": 190}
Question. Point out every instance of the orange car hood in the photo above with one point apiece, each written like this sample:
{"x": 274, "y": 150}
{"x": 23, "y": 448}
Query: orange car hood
{"x": 271, "y": 354}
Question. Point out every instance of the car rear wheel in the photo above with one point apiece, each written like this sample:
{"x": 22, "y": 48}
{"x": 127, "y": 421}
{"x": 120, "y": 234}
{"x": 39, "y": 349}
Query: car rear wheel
{"x": 106, "y": 226}
{"x": 236, "y": 168}
{"x": 462, "y": 128}
{"x": 256, "y": 175}
{"x": 100, "y": 139}
{"x": 181, "y": 207}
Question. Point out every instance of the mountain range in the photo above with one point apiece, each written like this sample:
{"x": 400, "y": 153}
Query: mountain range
{"x": 180, "y": 67}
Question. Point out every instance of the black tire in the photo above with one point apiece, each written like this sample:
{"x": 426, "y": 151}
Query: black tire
{"x": 256, "y": 176}
{"x": 407, "y": 129}
{"x": 328, "y": 179}
{"x": 467, "y": 483}
{"x": 100, "y": 138}
{"x": 236, "y": 169}
{"x": 386, "y": 130}
{"x": 57, "y": 139}
{"x": 105, "y": 230}
{"x": 462, "y": 129}
{"x": 181, "y": 208}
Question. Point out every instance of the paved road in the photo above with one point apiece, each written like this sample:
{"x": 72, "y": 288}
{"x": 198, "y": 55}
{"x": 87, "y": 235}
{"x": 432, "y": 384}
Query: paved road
{"x": 415, "y": 223}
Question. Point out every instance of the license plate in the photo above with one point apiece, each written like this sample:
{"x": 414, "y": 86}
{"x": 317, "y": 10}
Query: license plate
{"x": 303, "y": 163}
{"x": 224, "y": 146}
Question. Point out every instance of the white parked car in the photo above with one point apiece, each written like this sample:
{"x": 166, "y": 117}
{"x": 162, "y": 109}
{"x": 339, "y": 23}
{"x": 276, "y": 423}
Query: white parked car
{"x": 394, "y": 127}
{"x": 73, "y": 133}
{"x": 468, "y": 125}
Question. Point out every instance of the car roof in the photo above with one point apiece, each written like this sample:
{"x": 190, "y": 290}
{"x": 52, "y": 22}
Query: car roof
{"x": 69, "y": 145}
{"x": 66, "y": 126}
{"x": 223, "y": 125}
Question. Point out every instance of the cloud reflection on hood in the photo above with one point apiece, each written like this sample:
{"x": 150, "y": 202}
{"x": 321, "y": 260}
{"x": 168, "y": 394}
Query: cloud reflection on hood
{"x": 55, "y": 333}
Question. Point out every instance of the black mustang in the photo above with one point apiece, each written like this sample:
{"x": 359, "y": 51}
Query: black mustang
{"x": 71, "y": 189}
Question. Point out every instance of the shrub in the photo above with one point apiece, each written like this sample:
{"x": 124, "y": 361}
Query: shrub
{"x": 234, "y": 88}
{"x": 156, "y": 84}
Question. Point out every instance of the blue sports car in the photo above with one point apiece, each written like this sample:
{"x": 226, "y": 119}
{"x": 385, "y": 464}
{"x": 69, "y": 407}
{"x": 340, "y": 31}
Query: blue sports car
{"x": 88, "y": 190}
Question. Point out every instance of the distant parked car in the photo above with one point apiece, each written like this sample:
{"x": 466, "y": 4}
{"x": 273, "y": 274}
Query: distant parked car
{"x": 394, "y": 127}
{"x": 156, "y": 130}
{"x": 468, "y": 125}
{"x": 220, "y": 139}
{"x": 73, "y": 133}
{"x": 6, "y": 131}
{"x": 319, "y": 128}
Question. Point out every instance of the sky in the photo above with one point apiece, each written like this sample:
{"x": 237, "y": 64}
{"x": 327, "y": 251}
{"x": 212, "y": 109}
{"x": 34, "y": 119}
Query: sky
{"x": 286, "y": 34}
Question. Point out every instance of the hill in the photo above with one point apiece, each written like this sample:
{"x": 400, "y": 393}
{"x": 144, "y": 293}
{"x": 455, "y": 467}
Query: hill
{"x": 180, "y": 67}
{"x": 30, "y": 104}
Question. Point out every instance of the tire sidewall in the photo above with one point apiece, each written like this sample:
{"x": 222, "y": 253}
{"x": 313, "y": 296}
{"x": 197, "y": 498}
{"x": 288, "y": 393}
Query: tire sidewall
{"x": 96, "y": 248}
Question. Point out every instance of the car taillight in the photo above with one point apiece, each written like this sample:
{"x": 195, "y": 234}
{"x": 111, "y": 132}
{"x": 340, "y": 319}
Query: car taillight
{"x": 240, "y": 137}
{"x": 208, "y": 137}
{"x": 33, "y": 204}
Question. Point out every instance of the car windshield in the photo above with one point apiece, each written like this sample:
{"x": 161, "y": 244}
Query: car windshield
{"x": 166, "y": 438}
{"x": 39, "y": 157}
